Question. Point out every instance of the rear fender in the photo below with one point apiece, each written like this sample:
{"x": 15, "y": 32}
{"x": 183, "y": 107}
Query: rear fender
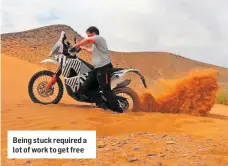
{"x": 117, "y": 77}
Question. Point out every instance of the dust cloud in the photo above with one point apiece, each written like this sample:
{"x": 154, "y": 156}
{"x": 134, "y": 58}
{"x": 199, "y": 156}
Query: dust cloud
{"x": 194, "y": 94}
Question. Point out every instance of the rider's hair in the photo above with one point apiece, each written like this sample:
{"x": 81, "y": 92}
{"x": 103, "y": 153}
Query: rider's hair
{"x": 93, "y": 29}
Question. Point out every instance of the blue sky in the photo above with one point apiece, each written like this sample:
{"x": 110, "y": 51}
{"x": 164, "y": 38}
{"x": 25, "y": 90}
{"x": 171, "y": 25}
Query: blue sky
{"x": 50, "y": 16}
{"x": 193, "y": 29}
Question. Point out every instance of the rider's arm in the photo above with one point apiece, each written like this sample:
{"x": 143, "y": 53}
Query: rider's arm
{"x": 89, "y": 50}
{"x": 88, "y": 40}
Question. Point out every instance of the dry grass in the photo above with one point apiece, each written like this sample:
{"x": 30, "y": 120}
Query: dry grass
{"x": 222, "y": 98}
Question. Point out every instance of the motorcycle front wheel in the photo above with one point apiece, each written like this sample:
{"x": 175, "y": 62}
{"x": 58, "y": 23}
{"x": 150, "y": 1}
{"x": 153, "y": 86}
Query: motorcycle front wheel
{"x": 37, "y": 91}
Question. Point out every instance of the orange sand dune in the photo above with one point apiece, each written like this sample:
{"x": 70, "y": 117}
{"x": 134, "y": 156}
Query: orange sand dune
{"x": 18, "y": 112}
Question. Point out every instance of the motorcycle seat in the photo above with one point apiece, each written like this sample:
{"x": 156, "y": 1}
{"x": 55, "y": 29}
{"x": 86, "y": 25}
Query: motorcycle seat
{"x": 116, "y": 69}
{"x": 113, "y": 70}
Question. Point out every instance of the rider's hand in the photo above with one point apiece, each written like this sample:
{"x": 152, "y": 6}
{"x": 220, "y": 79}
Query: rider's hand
{"x": 74, "y": 45}
{"x": 83, "y": 48}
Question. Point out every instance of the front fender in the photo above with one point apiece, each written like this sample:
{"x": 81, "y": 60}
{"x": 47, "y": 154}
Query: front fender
{"x": 50, "y": 61}
{"x": 118, "y": 75}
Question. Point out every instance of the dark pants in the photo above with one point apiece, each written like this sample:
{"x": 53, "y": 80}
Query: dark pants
{"x": 103, "y": 76}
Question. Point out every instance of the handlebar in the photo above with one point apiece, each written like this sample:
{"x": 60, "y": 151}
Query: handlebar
{"x": 69, "y": 47}
{"x": 75, "y": 49}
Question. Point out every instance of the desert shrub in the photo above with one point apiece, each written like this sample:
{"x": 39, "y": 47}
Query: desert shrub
{"x": 222, "y": 97}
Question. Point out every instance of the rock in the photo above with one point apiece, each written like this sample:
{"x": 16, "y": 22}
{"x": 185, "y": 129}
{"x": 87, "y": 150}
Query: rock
{"x": 150, "y": 134}
{"x": 201, "y": 149}
{"x": 140, "y": 133}
{"x": 162, "y": 155}
{"x": 151, "y": 155}
{"x": 158, "y": 164}
{"x": 28, "y": 162}
{"x": 184, "y": 155}
{"x": 132, "y": 159}
{"x": 121, "y": 143}
{"x": 170, "y": 142}
{"x": 136, "y": 148}
{"x": 164, "y": 135}
{"x": 101, "y": 146}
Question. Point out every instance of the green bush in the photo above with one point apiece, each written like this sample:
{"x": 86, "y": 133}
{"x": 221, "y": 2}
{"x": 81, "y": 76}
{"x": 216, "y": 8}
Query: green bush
{"x": 222, "y": 98}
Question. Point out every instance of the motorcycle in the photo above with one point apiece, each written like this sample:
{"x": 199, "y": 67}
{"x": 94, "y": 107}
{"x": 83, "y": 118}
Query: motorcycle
{"x": 76, "y": 71}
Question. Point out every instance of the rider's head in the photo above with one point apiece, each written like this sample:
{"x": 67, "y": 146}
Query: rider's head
{"x": 92, "y": 31}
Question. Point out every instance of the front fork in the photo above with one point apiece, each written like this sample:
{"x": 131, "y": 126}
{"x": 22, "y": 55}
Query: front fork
{"x": 54, "y": 78}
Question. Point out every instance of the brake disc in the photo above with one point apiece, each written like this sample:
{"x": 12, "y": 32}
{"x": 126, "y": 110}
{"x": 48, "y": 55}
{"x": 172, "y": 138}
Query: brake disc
{"x": 42, "y": 91}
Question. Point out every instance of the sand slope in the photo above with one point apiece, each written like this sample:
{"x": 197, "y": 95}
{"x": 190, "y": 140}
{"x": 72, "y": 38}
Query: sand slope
{"x": 18, "y": 112}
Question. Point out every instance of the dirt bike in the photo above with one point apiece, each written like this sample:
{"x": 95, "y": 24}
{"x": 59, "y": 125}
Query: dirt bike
{"x": 76, "y": 71}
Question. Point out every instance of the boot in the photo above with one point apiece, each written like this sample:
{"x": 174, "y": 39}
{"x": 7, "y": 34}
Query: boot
{"x": 113, "y": 102}
{"x": 102, "y": 105}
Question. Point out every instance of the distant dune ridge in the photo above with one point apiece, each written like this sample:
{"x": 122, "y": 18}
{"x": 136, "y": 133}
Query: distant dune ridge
{"x": 191, "y": 93}
{"x": 34, "y": 45}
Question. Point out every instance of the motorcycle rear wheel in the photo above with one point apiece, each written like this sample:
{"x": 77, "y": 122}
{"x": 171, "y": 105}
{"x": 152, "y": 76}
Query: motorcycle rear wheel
{"x": 41, "y": 91}
{"x": 133, "y": 95}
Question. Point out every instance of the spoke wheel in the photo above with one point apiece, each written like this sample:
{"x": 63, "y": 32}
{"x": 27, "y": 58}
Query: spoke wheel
{"x": 39, "y": 94}
{"x": 128, "y": 99}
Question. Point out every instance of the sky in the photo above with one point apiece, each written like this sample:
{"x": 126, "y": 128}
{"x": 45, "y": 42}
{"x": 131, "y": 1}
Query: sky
{"x": 191, "y": 28}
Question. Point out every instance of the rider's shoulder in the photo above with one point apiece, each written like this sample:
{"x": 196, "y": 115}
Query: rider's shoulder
{"x": 98, "y": 38}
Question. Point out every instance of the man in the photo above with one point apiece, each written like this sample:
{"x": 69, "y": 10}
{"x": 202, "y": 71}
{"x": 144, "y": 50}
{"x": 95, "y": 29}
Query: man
{"x": 102, "y": 65}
